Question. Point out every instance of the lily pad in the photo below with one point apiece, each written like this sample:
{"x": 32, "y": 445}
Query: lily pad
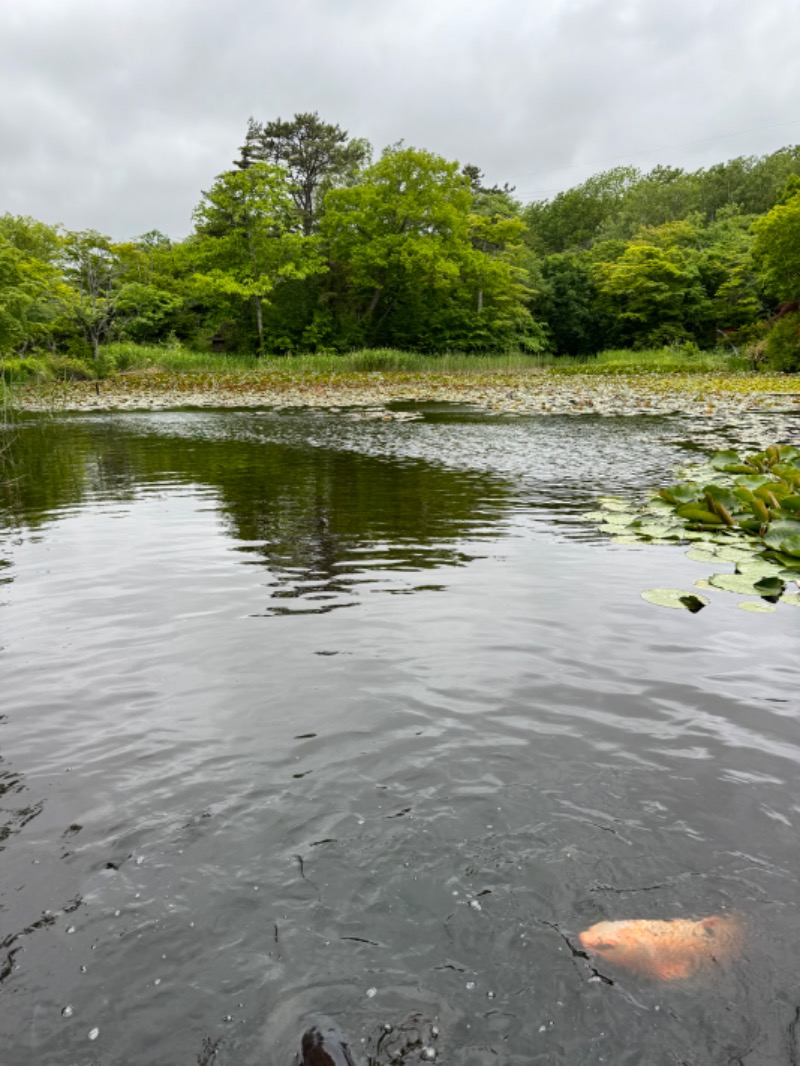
{"x": 703, "y": 583}
{"x": 613, "y": 503}
{"x": 784, "y": 536}
{"x": 658, "y": 529}
{"x": 678, "y": 599}
{"x": 756, "y": 607}
{"x": 791, "y": 597}
{"x": 609, "y": 517}
{"x": 733, "y": 555}
{"x": 753, "y": 481}
{"x": 757, "y": 568}
{"x": 770, "y": 587}
{"x": 683, "y": 492}
{"x": 734, "y": 583}
{"x": 693, "y": 512}
{"x": 702, "y": 555}
{"x": 719, "y": 460}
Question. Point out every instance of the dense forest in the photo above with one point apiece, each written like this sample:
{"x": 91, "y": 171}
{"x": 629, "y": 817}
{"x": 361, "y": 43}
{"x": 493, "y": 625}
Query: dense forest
{"x": 308, "y": 243}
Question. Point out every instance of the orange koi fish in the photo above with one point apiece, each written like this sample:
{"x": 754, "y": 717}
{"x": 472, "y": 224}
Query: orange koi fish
{"x": 667, "y": 950}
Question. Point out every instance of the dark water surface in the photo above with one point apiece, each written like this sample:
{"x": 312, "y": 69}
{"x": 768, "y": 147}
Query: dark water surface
{"x": 304, "y": 714}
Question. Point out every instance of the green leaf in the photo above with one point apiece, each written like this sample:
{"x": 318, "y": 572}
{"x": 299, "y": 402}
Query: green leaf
{"x": 756, "y": 607}
{"x": 756, "y": 568}
{"x": 657, "y": 529}
{"x": 702, "y": 555}
{"x": 677, "y": 599}
{"x": 784, "y": 536}
{"x": 684, "y": 492}
{"x": 753, "y": 481}
{"x": 721, "y": 460}
{"x": 774, "y": 488}
{"x": 750, "y": 525}
{"x": 613, "y": 503}
{"x": 734, "y": 583}
{"x": 731, "y": 554}
{"x": 770, "y": 586}
{"x": 792, "y": 598}
{"x": 609, "y": 518}
{"x": 786, "y": 470}
{"x": 693, "y": 512}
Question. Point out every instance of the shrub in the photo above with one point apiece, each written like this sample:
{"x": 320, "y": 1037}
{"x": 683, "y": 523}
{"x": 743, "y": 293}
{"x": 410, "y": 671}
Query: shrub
{"x": 24, "y": 369}
{"x": 755, "y": 355}
{"x": 125, "y": 355}
{"x": 783, "y": 344}
{"x": 68, "y": 368}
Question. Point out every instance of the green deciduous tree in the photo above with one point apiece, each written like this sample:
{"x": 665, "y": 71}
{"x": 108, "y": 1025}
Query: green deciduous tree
{"x": 413, "y": 258}
{"x": 777, "y": 248}
{"x": 93, "y": 271}
{"x": 654, "y": 288}
{"x": 32, "y": 291}
{"x": 573, "y": 219}
{"x": 728, "y": 271}
{"x": 567, "y": 303}
{"x": 247, "y": 240}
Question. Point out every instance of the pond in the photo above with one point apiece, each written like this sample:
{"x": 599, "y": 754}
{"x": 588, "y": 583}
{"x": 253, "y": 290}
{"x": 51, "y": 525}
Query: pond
{"x": 314, "y": 714}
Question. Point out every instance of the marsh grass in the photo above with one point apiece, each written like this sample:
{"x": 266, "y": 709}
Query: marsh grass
{"x": 6, "y": 439}
{"x": 133, "y": 358}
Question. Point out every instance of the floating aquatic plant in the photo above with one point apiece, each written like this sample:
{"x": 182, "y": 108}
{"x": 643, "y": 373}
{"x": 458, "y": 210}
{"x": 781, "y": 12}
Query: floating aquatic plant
{"x": 676, "y": 598}
{"x": 738, "y": 509}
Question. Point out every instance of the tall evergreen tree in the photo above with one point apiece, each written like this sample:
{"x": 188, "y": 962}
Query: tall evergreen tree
{"x": 315, "y": 155}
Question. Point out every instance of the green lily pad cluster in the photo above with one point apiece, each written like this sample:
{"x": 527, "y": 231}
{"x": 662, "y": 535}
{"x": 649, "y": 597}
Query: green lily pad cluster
{"x": 758, "y": 494}
{"x": 736, "y": 509}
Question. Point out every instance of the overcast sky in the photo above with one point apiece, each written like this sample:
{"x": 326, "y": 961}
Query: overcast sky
{"x": 117, "y": 113}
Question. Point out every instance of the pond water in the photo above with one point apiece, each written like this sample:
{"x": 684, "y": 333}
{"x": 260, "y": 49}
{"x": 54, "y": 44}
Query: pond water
{"x": 307, "y": 714}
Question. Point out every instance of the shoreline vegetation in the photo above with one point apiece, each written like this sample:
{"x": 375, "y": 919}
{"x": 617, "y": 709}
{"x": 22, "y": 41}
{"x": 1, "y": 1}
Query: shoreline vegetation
{"x": 309, "y": 242}
{"x": 658, "y": 381}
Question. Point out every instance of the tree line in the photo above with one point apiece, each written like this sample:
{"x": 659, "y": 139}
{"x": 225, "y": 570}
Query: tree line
{"x": 308, "y": 243}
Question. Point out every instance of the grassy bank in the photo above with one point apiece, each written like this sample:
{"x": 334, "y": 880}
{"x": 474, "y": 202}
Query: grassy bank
{"x": 177, "y": 360}
{"x": 133, "y": 358}
{"x": 665, "y": 380}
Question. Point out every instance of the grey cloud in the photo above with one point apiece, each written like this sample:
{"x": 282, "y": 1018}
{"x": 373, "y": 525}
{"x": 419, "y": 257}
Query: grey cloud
{"x": 117, "y": 115}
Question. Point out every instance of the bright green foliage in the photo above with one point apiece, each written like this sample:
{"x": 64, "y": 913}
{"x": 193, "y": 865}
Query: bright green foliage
{"x": 35, "y": 240}
{"x": 31, "y": 291}
{"x": 777, "y": 248}
{"x": 742, "y": 509}
{"x": 573, "y": 219}
{"x": 147, "y": 311}
{"x": 654, "y": 288}
{"x": 248, "y": 241}
{"x": 617, "y": 203}
{"x": 93, "y": 271}
{"x": 16, "y": 297}
{"x": 664, "y": 195}
{"x": 418, "y": 267}
{"x": 783, "y": 344}
{"x": 302, "y": 249}
{"x": 728, "y": 271}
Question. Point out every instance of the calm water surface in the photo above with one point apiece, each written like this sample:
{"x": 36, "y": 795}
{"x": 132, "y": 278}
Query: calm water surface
{"x": 303, "y": 714}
